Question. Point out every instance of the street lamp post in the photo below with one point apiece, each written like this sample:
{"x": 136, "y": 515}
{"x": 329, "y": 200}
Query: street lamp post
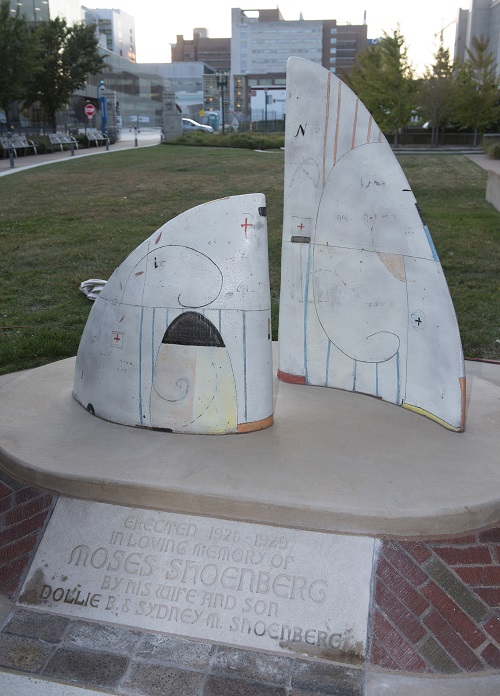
{"x": 102, "y": 101}
{"x": 11, "y": 150}
{"x": 222, "y": 82}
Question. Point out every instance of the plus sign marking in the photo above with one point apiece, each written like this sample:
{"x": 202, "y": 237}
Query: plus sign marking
{"x": 301, "y": 226}
{"x": 417, "y": 320}
{"x": 246, "y": 224}
{"x": 117, "y": 339}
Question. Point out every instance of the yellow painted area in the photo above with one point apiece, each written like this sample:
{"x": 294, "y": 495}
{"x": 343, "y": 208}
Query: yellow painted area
{"x": 423, "y": 412}
{"x": 193, "y": 390}
{"x": 214, "y": 409}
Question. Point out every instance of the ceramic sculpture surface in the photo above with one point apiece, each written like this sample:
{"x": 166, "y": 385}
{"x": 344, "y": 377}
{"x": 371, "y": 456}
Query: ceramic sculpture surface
{"x": 364, "y": 304}
{"x": 180, "y": 337}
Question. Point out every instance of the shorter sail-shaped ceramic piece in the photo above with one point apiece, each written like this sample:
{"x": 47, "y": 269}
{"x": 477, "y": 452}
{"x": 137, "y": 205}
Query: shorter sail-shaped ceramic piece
{"x": 364, "y": 304}
{"x": 179, "y": 339}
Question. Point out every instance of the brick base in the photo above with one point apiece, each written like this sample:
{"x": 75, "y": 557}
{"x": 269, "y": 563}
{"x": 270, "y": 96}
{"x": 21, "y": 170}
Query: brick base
{"x": 24, "y": 512}
{"x": 435, "y": 607}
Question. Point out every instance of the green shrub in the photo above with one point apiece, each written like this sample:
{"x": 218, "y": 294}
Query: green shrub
{"x": 493, "y": 151}
{"x": 82, "y": 141}
{"x": 42, "y": 143}
{"x": 492, "y": 147}
{"x": 246, "y": 140}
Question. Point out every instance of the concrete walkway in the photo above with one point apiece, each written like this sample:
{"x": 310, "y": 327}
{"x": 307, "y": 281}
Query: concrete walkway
{"x": 483, "y": 161}
{"x": 146, "y": 138}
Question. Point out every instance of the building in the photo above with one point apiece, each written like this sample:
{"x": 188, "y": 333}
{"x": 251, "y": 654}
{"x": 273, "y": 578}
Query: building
{"x": 134, "y": 94}
{"x": 341, "y": 44}
{"x": 481, "y": 19}
{"x": 43, "y": 10}
{"x": 262, "y": 41}
{"x": 117, "y": 29}
{"x": 214, "y": 52}
{"x": 192, "y": 82}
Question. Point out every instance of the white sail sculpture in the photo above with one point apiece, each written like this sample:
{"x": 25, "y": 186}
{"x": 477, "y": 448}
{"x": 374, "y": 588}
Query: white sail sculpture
{"x": 364, "y": 304}
{"x": 179, "y": 339}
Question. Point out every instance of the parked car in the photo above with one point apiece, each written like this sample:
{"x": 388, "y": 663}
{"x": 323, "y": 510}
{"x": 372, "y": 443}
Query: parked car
{"x": 189, "y": 125}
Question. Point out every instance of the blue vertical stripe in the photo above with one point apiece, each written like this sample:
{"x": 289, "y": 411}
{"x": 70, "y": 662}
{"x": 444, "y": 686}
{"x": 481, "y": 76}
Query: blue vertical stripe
{"x": 398, "y": 396}
{"x": 245, "y": 362}
{"x": 327, "y": 362}
{"x": 431, "y": 244}
{"x": 355, "y": 367}
{"x": 140, "y": 366}
{"x": 306, "y": 299}
{"x": 153, "y": 345}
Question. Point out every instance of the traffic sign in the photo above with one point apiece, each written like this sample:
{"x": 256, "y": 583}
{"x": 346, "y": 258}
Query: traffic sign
{"x": 89, "y": 110}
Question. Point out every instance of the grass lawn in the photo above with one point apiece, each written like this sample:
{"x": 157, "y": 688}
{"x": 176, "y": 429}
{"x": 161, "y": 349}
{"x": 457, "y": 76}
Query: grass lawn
{"x": 64, "y": 223}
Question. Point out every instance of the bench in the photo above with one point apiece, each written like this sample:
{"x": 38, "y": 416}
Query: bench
{"x": 6, "y": 143}
{"x": 17, "y": 142}
{"x": 96, "y": 137}
{"x": 62, "y": 140}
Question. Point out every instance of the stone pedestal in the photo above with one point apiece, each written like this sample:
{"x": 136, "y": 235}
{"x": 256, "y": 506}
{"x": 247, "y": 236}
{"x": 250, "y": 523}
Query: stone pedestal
{"x": 493, "y": 189}
{"x": 352, "y": 545}
{"x": 172, "y": 117}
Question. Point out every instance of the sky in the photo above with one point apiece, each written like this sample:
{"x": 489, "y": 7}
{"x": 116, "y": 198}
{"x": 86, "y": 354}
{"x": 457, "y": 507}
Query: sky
{"x": 157, "y": 22}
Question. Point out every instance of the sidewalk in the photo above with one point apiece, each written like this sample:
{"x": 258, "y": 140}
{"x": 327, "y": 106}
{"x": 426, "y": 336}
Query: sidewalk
{"x": 146, "y": 138}
{"x": 483, "y": 161}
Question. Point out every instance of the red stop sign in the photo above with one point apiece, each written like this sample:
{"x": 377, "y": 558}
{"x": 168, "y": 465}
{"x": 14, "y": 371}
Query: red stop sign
{"x": 89, "y": 110}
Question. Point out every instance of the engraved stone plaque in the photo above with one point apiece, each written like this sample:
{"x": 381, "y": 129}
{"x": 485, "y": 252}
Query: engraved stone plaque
{"x": 268, "y": 588}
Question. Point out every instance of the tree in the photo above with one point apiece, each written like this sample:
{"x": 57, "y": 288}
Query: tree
{"x": 436, "y": 93}
{"x": 18, "y": 57}
{"x": 70, "y": 53}
{"x": 382, "y": 78}
{"x": 477, "y": 89}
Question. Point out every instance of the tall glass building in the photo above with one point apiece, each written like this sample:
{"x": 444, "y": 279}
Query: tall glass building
{"x": 134, "y": 94}
{"x": 43, "y": 10}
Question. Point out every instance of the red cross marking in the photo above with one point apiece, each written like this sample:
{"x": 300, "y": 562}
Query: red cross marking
{"x": 117, "y": 338}
{"x": 301, "y": 227}
{"x": 246, "y": 225}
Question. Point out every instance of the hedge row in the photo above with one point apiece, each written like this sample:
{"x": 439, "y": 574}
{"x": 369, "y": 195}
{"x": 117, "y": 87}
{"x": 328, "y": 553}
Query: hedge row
{"x": 249, "y": 141}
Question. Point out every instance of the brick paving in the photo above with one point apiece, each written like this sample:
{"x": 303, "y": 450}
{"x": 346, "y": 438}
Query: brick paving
{"x": 134, "y": 662}
{"x": 435, "y": 610}
{"x": 24, "y": 512}
{"x": 436, "y": 605}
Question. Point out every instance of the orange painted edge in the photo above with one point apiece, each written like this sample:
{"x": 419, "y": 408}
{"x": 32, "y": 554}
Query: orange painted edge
{"x": 463, "y": 390}
{"x": 327, "y": 117}
{"x": 256, "y": 425}
{"x": 339, "y": 99}
{"x": 291, "y": 379}
{"x": 354, "y": 126}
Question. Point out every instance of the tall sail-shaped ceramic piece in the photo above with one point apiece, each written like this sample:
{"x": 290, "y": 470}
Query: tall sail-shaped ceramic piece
{"x": 180, "y": 337}
{"x": 364, "y": 303}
